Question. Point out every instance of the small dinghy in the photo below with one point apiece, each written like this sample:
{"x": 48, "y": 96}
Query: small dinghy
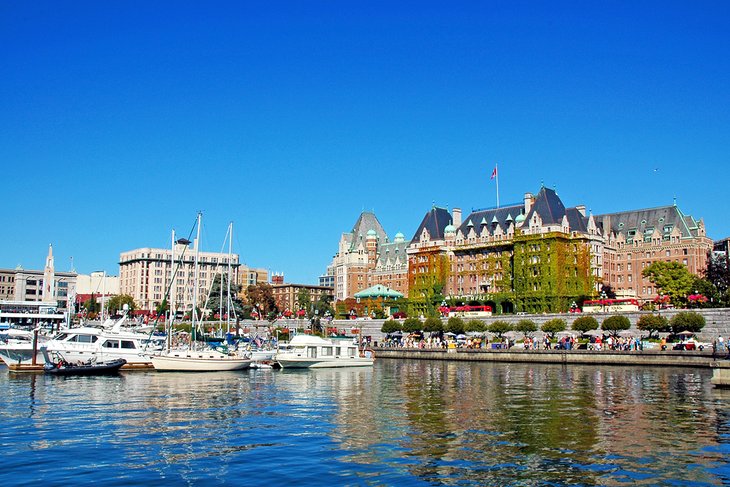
{"x": 59, "y": 366}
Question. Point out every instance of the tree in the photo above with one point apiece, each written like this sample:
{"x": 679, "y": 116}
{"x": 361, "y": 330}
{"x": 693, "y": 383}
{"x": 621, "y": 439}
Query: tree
{"x": 687, "y": 321}
{"x": 499, "y": 327}
{"x": 455, "y": 325}
{"x": 433, "y": 325}
{"x": 116, "y": 303}
{"x": 652, "y": 323}
{"x": 614, "y": 324}
{"x": 556, "y": 325}
{"x": 608, "y": 290}
{"x": 475, "y": 325}
{"x": 304, "y": 300}
{"x": 585, "y": 324}
{"x": 412, "y": 325}
{"x": 163, "y": 307}
{"x": 261, "y": 298}
{"x": 91, "y": 305}
{"x": 324, "y": 305}
{"x": 219, "y": 296}
{"x": 672, "y": 279}
{"x": 526, "y": 327}
{"x": 718, "y": 273}
{"x": 390, "y": 326}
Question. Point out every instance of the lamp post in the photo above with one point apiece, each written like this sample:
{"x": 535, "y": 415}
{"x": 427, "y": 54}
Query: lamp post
{"x": 603, "y": 300}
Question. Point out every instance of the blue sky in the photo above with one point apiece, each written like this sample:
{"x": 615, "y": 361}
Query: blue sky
{"x": 121, "y": 119}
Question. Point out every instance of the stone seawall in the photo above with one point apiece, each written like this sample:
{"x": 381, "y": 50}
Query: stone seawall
{"x": 717, "y": 322}
{"x": 576, "y": 357}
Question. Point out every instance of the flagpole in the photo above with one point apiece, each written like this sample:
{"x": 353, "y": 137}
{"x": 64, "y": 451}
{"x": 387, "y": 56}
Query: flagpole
{"x": 497, "y": 180}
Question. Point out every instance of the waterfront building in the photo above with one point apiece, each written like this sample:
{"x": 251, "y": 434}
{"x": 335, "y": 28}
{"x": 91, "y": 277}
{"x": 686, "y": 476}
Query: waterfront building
{"x": 146, "y": 275}
{"x": 533, "y": 256}
{"x": 45, "y": 285}
{"x": 635, "y": 239}
{"x": 366, "y": 257}
{"x": 287, "y": 295}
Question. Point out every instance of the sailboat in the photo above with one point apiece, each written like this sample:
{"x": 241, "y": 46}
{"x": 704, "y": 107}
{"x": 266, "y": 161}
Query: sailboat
{"x": 191, "y": 360}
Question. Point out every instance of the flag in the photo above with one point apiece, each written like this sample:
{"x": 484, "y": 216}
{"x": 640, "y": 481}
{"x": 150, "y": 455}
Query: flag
{"x": 494, "y": 173}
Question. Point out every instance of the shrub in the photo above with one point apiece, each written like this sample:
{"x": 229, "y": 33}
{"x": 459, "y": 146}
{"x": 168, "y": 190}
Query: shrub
{"x": 499, "y": 327}
{"x": 556, "y": 325}
{"x": 526, "y": 327}
{"x": 616, "y": 323}
{"x": 411, "y": 325}
{"x": 433, "y": 325}
{"x": 475, "y": 325}
{"x": 390, "y": 326}
{"x": 455, "y": 325}
{"x": 687, "y": 321}
{"x": 585, "y": 324}
{"x": 652, "y": 323}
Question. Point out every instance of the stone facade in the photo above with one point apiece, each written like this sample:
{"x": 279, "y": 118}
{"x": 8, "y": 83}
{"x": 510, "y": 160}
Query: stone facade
{"x": 286, "y": 295}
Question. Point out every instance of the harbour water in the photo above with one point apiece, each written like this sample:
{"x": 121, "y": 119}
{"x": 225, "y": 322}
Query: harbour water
{"x": 399, "y": 423}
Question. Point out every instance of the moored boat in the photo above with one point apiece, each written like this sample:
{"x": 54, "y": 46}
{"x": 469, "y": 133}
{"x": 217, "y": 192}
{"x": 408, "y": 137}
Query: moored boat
{"x": 198, "y": 361}
{"x": 308, "y": 351}
{"x": 57, "y": 365}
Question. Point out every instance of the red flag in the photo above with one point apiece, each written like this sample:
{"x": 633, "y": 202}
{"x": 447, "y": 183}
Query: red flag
{"x": 494, "y": 173}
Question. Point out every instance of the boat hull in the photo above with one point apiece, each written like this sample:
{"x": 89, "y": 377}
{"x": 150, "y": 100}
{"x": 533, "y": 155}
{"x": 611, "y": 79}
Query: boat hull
{"x": 314, "y": 363}
{"x": 108, "y": 368}
{"x": 198, "y": 362}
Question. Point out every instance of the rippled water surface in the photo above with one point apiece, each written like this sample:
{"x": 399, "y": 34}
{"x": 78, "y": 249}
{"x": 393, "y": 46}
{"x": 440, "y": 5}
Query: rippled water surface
{"x": 400, "y": 423}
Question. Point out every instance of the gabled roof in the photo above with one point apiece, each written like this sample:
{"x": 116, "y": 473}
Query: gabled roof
{"x": 663, "y": 218}
{"x": 391, "y": 251}
{"x": 434, "y": 222}
{"x": 500, "y": 216}
{"x": 549, "y": 206}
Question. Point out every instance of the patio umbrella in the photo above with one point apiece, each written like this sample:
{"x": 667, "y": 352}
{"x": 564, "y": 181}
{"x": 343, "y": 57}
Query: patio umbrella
{"x": 460, "y": 337}
{"x": 448, "y": 333}
{"x": 685, "y": 333}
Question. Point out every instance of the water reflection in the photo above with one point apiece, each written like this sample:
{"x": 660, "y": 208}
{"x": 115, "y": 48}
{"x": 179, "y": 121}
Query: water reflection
{"x": 401, "y": 422}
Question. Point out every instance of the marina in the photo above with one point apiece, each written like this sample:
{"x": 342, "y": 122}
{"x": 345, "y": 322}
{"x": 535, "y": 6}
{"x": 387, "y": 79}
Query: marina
{"x": 400, "y": 422}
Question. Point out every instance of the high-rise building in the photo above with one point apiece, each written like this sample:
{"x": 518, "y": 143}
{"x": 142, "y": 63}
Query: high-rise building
{"x": 146, "y": 275}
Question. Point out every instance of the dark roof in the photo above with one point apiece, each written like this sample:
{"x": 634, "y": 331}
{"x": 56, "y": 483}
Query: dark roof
{"x": 489, "y": 215}
{"x": 576, "y": 220}
{"x": 392, "y": 251}
{"x": 367, "y": 221}
{"x": 663, "y": 218}
{"x": 435, "y": 221}
{"x": 549, "y": 206}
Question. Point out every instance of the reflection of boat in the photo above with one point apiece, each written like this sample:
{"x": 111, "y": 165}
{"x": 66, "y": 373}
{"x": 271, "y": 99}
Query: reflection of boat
{"x": 307, "y": 351}
{"x": 86, "y": 343}
{"x": 57, "y": 365}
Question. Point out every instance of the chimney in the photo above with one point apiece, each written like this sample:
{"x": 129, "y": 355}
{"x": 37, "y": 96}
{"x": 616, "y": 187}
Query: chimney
{"x": 456, "y": 217}
{"x": 581, "y": 209}
{"x": 529, "y": 200}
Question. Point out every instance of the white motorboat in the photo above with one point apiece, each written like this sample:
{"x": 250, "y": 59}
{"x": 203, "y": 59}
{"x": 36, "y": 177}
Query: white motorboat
{"x": 307, "y": 351}
{"x": 198, "y": 361}
{"x": 86, "y": 343}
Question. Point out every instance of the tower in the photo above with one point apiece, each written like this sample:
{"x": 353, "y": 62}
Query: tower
{"x": 49, "y": 279}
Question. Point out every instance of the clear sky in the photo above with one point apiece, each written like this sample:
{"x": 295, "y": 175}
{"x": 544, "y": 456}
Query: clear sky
{"x": 119, "y": 120}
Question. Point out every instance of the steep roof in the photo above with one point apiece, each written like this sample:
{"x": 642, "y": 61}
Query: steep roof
{"x": 435, "y": 222}
{"x": 392, "y": 251}
{"x": 366, "y": 222}
{"x": 504, "y": 216}
{"x": 664, "y": 219}
{"x": 549, "y": 206}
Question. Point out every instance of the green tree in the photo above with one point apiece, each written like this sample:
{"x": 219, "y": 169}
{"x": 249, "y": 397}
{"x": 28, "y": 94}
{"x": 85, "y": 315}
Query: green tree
{"x": 163, "y": 307}
{"x": 499, "y": 327}
{"x": 475, "y": 325}
{"x": 585, "y": 324}
{"x": 390, "y": 326}
{"x": 551, "y": 327}
{"x": 718, "y": 273}
{"x": 323, "y": 306}
{"x": 116, "y": 303}
{"x": 455, "y": 325}
{"x": 304, "y": 300}
{"x": 652, "y": 324}
{"x": 616, "y": 323}
{"x": 526, "y": 327}
{"x": 672, "y": 279}
{"x": 92, "y": 305}
{"x": 219, "y": 296}
{"x": 687, "y": 321}
{"x": 412, "y": 325}
{"x": 433, "y": 325}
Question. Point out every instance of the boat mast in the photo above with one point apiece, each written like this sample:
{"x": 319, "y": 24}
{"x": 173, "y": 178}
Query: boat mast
{"x": 195, "y": 282}
{"x": 171, "y": 304}
{"x": 228, "y": 288}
